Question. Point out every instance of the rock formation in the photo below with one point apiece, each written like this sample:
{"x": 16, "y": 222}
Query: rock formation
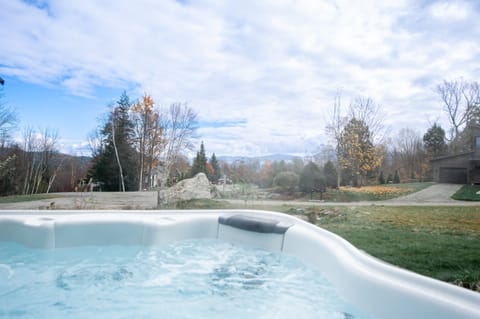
{"x": 197, "y": 187}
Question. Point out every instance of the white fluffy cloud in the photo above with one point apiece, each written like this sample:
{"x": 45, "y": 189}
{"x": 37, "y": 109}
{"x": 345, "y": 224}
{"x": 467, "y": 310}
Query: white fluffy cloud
{"x": 275, "y": 66}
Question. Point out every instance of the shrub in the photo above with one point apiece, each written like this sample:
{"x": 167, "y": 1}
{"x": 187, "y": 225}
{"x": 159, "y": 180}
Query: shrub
{"x": 286, "y": 181}
{"x": 311, "y": 178}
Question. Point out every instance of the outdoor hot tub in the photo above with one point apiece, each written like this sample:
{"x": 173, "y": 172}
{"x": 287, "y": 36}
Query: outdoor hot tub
{"x": 67, "y": 243}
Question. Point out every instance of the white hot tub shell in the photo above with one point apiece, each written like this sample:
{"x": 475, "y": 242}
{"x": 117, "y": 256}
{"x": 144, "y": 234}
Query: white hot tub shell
{"x": 383, "y": 290}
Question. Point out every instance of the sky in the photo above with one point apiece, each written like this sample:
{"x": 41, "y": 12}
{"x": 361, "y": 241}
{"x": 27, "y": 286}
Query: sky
{"x": 261, "y": 75}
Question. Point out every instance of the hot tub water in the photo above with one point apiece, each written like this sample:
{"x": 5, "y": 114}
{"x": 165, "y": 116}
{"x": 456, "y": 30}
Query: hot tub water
{"x": 187, "y": 279}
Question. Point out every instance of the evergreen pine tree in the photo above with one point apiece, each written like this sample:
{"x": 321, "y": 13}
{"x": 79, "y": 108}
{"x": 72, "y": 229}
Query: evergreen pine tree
{"x": 217, "y": 174}
{"x": 434, "y": 140}
{"x": 105, "y": 167}
{"x": 330, "y": 173}
{"x": 381, "y": 178}
{"x": 200, "y": 162}
{"x": 396, "y": 178}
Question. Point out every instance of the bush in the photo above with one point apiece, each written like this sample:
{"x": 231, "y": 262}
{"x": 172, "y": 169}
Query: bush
{"x": 311, "y": 178}
{"x": 286, "y": 181}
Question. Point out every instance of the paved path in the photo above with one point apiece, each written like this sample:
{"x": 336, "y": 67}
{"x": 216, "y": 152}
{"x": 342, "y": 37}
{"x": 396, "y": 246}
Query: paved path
{"x": 436, "y": 195}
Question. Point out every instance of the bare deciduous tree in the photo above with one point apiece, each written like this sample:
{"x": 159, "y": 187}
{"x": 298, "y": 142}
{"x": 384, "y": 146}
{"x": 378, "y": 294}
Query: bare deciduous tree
{"x": 8, "y": 121}
{"x": 409, "y": 154}
{"x": 178, "y": 124}
{"x": 39, "y": 149}
{"x": 461, "y": 102}
{"x": 334, "y": 129}
{"x": 53, "y": 176}
{"x": 365, "y": 110}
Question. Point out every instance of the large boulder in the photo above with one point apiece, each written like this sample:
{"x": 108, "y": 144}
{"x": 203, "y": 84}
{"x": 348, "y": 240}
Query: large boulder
{"x": 197, "y": 187}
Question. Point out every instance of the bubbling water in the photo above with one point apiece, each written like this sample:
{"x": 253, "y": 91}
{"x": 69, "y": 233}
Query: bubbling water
{"x": 187, "y": 279}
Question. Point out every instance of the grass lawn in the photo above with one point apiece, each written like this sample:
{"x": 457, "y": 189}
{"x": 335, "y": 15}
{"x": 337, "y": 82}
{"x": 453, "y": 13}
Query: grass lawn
{"x": 439, "y": 242}
{"x": 24, "y": 198}
{"x": 468, "y": 192}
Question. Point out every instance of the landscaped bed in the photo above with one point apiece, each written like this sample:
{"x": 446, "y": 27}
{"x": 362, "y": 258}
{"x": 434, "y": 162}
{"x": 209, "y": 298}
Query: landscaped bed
{"x": 369, "y": 193}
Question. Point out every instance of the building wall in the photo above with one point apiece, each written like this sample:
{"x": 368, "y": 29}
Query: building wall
{"x": 456, "y": 165}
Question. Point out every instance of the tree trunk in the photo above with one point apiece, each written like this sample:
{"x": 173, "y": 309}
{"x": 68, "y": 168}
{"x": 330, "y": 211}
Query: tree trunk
{"x": 116, "y": 155}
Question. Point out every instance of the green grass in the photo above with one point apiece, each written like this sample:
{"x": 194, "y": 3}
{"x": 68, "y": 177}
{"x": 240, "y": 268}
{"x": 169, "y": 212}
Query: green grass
{"x": 468, "y": 192}
{"x": 440, "y": 242}
{"x": 24, "y": 198}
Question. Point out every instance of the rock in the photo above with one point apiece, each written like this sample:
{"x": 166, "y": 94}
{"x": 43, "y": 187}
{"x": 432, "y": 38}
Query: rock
{"x": 197, "y": 187}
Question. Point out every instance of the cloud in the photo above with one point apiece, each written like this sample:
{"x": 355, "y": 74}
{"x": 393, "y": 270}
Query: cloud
{"x": 273, "y": 65}
{"x": 449, "y": 11}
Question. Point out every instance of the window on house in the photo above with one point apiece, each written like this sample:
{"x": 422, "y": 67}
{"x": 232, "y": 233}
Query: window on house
{"x": 477, "y": 142}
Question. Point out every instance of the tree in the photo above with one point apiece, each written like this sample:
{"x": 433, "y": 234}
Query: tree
{"x": 434, "y": 141}
{"x": 114, "y": 157}
{"x": 178, "y": 125}
{"x": 396, "y": 178}
{"x": 362, "y": 110}
{"x": 366, "y": 111}
{"x": 200, "y": 162}
{"x": 266, "y": 174}
{"x": 8, "y": 122}
{"x": 461, "y": 102}
{"x": 464, "y": 141}
{"x": 217, "y": 173}
{"x": 180, "y": 170}
{"x": 39, "y": 149}
{"x": 115, "y": 148}
{"x": 381, "y": 178}
{"x": 296, "y": 165}
{"x": 356, "y": 151}
{"x": 409, "y": 153}
{"x": 124, "y": 140}
{"x": 311, "y": 179}
{"x": 334, "y": 129}
{"x": 148, "y": 137}
{"x": 286, "y": 181}
{"x": 330, "y": 173}
{"x": 279, "y": 167}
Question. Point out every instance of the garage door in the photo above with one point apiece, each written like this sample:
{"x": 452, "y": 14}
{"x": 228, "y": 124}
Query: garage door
{"x": 453, "y": 175}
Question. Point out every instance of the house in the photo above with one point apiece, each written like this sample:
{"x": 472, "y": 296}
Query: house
{"x": 461, "y": 168}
